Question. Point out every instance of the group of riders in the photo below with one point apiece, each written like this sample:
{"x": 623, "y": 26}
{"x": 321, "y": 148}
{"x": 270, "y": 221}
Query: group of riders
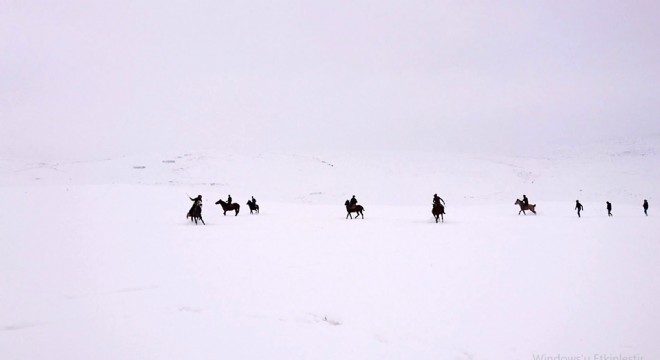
{"x": 437, "y": 202}
{"x": 197, "y": 204}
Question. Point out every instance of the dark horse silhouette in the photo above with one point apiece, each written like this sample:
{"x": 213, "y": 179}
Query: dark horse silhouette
{"x": 524, "y": 207}
{"x": 228, "y": 207}
{"x": 253, "y": 206}
{"x": 438, "y": 211}
{"x": 358, "y": 209}
{"x": 195, "y": 213}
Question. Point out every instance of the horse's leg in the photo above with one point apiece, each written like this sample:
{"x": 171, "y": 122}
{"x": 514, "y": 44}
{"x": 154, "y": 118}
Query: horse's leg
{"x": 202, "y": 220}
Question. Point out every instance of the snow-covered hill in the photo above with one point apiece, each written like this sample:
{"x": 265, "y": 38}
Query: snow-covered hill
{"x": 97, "y": 260}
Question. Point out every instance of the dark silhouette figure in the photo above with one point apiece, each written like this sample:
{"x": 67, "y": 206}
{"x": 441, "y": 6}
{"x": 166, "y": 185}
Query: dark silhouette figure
{"x": 646, "y": 207}
{"x": 578, "y": 207}
{"x": 438, "y": 211}
{"x": 524, "y": 207}
{"x": 195, "y": 212}
{"x": 228, "y": 207}
{"x": 525, "y": 200}
{"x": 358, "y": 209}
{"x": 353, "y": 201}
{"x": 228, "y": 200}
{"x": 437, "y": 200}
{"x": 254, "y": 201}
{"x": 609, "y": 208}
{"x": 253, "y": 206}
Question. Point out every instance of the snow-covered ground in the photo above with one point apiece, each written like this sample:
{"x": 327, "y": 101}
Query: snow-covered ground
{"x": 97, "y": 260}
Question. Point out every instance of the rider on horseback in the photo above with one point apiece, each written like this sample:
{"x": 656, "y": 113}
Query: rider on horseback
{"x": 353, "y": 202}
{"x": 525, "y": 200}
{"x": 254, "y": 201}
{"x": 229, "y": 200}
{"x": 197, "y": 202}
{"x": 437, "y": 199}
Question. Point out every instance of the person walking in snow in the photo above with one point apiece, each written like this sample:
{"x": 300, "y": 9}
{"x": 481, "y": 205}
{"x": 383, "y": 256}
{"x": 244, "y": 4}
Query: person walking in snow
{"x": 609, "y": 208}
{"x": 578, "y": 207}
{"x": 646, "y": 207}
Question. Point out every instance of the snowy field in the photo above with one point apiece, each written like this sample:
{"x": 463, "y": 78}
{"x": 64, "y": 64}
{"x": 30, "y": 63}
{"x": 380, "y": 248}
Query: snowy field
{"x": 97, "y": 260}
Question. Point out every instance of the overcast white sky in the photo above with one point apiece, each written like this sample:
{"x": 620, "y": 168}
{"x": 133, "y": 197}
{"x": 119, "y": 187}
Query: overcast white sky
{"x": 103, "y": 78}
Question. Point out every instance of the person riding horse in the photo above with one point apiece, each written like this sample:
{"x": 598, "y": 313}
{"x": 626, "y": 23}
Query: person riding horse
{"x": 437, "y": 199}
{"x": 353, "y": 202}
{"x": 254, "y": 201}
{"x": 195, "y": 211}
{"x": 229, "y": 200}
{"x": 197, "y": 202}
{"x": 525, "y": 200}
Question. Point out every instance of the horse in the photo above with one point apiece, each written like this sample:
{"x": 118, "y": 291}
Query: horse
{"x": 195, "y": 213}
{"x": 228, "y": 207}
{"x": 253, "y": 206}
{"x": 358, "y": 209}
{"x": 524, "y": 207}
{"x": 438, "y": 211}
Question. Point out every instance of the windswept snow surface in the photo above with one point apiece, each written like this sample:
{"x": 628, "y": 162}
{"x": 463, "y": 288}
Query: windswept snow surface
{"x": 97, "y": 260}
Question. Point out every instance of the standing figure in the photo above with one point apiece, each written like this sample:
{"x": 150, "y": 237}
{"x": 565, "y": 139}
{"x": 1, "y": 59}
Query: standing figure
{"x": 229, "y": 200}
{"x": 609, "y": 208}
{"x": 578, "y": 207}
{"x": 646, "y": 207}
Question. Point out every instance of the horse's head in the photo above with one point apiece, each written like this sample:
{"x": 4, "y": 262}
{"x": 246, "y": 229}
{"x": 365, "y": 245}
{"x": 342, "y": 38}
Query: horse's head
{"x": 219, "y": 202}
{"x": 347, "y": 203}
{"x": 518, "y": 202}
